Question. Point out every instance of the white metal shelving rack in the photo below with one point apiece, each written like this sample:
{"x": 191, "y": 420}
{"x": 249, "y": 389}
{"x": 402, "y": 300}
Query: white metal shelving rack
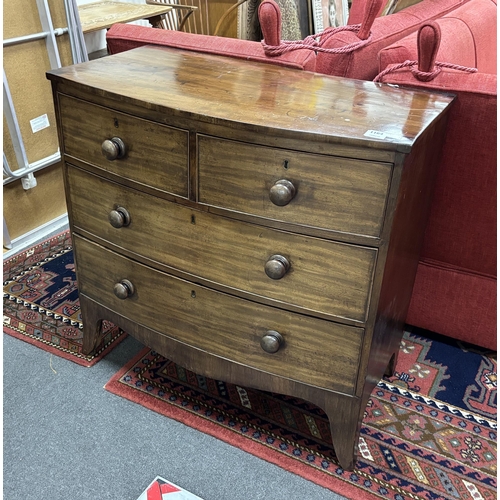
{"x": 25, "y": 171}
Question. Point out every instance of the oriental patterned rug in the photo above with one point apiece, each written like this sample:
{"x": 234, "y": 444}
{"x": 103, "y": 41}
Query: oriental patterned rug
{"x": 41, "y": 304}
{"x": 428, "y": 433}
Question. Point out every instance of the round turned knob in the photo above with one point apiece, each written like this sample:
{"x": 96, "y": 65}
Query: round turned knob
{"x": 113, "y": 148}
{"x": 119, "y": 217}
{"x": 124, "y": 289}
{"x": 277, "y": 266}
{"x": 271, "y": 341}
{"x": 282, "y": 192}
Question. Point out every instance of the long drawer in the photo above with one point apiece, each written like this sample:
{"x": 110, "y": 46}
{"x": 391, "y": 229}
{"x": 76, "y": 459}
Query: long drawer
{"x": 314, "y": 351}
{"x": 155, "y": 155}
{"x": 323, "y": 276}
{"x": 333, "y": 193}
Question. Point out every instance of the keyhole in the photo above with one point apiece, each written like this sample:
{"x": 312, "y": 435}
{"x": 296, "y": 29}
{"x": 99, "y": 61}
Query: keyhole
{"x": 193, "y": 294}
{"x": 285, "y": 164}
{"x": 193, "y": 220}
{"x": 116, "y": 123}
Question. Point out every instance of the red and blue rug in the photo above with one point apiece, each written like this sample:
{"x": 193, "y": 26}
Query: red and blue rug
{"x": 429, "y": 432}
{"x": 41, "y": 304}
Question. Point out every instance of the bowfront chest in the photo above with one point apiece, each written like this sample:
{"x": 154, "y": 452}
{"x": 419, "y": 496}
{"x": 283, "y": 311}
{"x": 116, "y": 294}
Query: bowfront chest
{"x": 255, "y": 224}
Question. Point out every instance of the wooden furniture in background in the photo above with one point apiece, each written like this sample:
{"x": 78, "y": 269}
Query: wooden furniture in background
{"x": 102, "y": 15}
{"x": 212, "y": 17}
{"x": 222, "y": 17}
{"x": 177, "y": 18}
{"x": 261, "y": 233}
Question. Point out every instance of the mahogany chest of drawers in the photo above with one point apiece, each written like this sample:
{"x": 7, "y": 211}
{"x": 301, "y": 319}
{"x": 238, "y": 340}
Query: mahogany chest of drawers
{"x": 254, "y": 224}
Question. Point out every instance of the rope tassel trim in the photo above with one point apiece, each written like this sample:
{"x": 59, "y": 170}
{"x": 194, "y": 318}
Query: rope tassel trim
{"x": 316, "y": 42}
{"x": 424, "y": 76}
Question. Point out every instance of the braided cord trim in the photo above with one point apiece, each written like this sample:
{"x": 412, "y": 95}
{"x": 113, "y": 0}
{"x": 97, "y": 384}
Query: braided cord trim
{"x": 424, "y": 76}
{"x": 316, "y": 42}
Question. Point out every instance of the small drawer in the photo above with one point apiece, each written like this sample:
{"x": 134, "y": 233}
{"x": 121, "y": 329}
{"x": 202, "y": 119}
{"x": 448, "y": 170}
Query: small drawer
{"x": 139, "y": 150}
{"x": 314, "y": 351}
{"x": 311, "y": 273}
{"x": 338, "y": 194}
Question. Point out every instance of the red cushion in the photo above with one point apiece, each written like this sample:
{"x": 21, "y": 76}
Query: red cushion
{"x": 357, "y": 11}
{"x": 468, "y": 38}
{"x": 121, "y": 37}
{"x": 455, "y": 303}
{"x": 480, "y": 17}
{"x": 363, "y": 62}
{"x": 462, "y": 226}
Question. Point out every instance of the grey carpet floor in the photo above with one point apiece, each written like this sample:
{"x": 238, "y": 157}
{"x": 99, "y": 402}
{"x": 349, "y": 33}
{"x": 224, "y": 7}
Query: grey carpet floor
{"x": 65, "y": 437}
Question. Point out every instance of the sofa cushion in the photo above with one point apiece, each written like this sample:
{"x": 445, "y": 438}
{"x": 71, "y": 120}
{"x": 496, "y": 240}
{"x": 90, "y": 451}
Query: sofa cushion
{"x": 455, "y": 303}
{"x": 462, "y": 225}
{"x": 363, "y": 62}
{"x": 357, "y": 11}
{"x": 468, "y": 38}
{"x": 121, "y": 37}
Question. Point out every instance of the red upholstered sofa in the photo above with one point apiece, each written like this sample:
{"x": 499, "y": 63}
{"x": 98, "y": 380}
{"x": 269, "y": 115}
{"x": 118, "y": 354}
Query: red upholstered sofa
{"x": 377, "y": 32}
{"x": 121, "y": 37}
{"x": 455, "y": 288}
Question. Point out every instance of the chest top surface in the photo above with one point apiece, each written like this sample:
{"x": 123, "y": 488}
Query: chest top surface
{"x": 231, "y": 92}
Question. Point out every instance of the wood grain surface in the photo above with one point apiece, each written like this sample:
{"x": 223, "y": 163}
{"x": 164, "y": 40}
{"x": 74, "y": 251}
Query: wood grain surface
{"x": 325, "y": 276}
{"x": 237, "y": 92}
{"x": 337, "y": 194}
{"x": 156, "y": 155}
{"x": 316, "y": 352}
{"x": 102, "y": 15}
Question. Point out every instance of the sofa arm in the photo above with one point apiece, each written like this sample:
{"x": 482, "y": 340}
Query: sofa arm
{"x": 270, "y": 22}
{"x": 122, "y": 37}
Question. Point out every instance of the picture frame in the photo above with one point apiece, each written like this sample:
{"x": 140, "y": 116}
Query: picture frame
{"x": 329, "y": 13}
{"x": 338, "y": 12}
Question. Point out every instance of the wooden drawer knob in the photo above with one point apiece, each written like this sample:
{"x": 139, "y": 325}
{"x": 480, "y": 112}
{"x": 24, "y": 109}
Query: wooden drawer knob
{"x": 119, "y": 217}
{"x": 277, "y": 266}
{"x": 124, "y": 289}
{"x": 271, "y": 341}
{"x": 113, "y": 148}
{"x": 282, "y": 192}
